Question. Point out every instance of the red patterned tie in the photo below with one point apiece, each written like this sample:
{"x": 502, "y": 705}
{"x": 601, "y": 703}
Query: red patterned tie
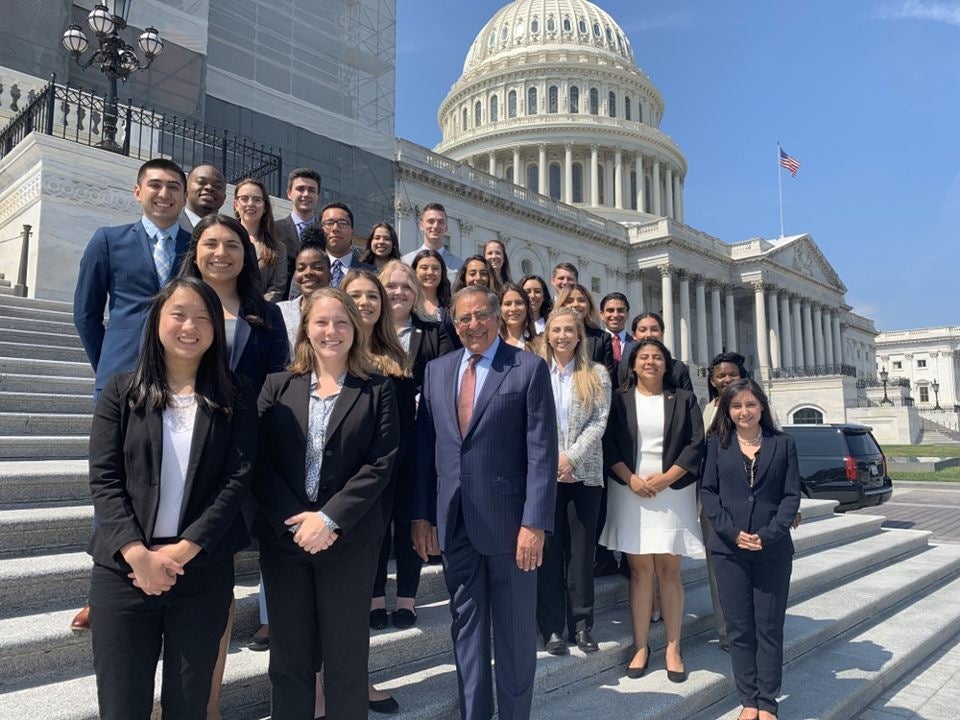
{"x": 617, "y": 348}
{"x": 468, "y": 386}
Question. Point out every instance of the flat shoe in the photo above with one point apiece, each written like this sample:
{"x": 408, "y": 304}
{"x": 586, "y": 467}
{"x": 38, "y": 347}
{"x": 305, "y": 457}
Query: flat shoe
{"x": 635, "y": 673}
{"x": 258, "y": 644}
{"x": 403, "y": 618}
{"x": 387, "y": 705}
{"x": 677, "y": 676}
{"x": 81, "y": 621}
{"x": 378, "y": 619}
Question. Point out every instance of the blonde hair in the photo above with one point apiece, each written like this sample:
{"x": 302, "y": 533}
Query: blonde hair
{"x": 592, "y": 319}
{"x": 587, "y": 385}
{"x": 358, "y": 357}
{"x": 419, "y": 298}
{"x": 383, "y": 346}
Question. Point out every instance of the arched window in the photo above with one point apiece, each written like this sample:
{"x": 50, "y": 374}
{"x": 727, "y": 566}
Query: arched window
{"x": 626, "y": 108}
{"x": 504, "y": 32}
{"x": 531, "y": 101}
{"x": 526, "y": 267}
{"x": 463, "y": 122}
{"x": 612, "y": 104}
{"x": 596, "y": 30}
{"x": 582, "y": 26}
{"x": 510, "y": 174}
{"x": 477, "y": 114}
{"x": 633, "y": 189}
{"x": 534, "y": 26}
{"x": 555, "y": 181}
{"x": 491, "y": 39}
{"x": 574, "y": 99}
{"x": 551, "y": 24}
{"x": 609, "y": 36}
{"x": 533, "y": 177}
{"x": 577, "y": 183}
{"x": 553, "y": 99}
{"x": 494, "y": 108}
{"x": 808, "y": 416}
{"x": 639, "y": 111}
{"x": 567, "y": 26}
{"x": 594, "y": 101}
{"x": 512, "y": 104}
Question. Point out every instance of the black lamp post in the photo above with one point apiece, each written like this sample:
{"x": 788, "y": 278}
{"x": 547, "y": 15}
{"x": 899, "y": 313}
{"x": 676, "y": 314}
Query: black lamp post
{"x": 884, "y": 377}
{"x": 936, "y": 394}
{"x": 117, "y": 60}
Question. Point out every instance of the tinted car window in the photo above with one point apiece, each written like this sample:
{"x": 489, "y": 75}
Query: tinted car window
{"x": 818, "y": 442}
{"x": 862, "y": 444}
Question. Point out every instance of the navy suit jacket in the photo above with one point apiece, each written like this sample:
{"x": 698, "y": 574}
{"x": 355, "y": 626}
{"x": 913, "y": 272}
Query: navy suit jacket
{"x": 503, "y": 472}
{"x": 257, "y": 352}
{"x": 117, "y": 266}
{"x": 767, "y": 509}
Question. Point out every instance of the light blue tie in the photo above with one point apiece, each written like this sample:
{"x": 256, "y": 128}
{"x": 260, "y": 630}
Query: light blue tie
{"x": 163, "y": 257}
{"x": 336, "y": 273}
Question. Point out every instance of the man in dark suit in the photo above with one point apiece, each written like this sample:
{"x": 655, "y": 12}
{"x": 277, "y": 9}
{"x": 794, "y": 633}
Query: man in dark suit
{"x": 645, "y": 325}
{"x": 336, "y": 219}
{"x": 486, "y": 483}
{"x": 206, "y": 191}
{"x": 614, "y": 311}
{"x": 303, "y": 191}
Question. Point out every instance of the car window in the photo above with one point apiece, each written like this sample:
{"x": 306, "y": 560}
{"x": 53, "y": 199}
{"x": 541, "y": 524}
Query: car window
{"x": 818, "y": 442}
{"x": 862, "y": 444}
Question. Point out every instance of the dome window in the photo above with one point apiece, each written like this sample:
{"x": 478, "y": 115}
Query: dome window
{"x": 582, "y": 25}
{"x": 554, "y": 189}
{"x": 551, "y": 24}
{"x": 463, "y": 124}
{"x": 477, "y": 113}
{"x": 577, "y": 183}
{"x": 612, "y": 104}
{"x": 533, "y": 177}
{"x": 596, "y": 30}
{"x": 567, "y": 25}
{"x": 553, "y": 99}
{"x": 574, "y": 99}
{"x": 494, "y": 108}
{"x": 519, "y": 29}
{"x": 531, "y": 101}
{"x": 534, "y": 26}
{"x": 512, "y": 104}
{"x": 491, "y": 39}
{"x": 594, "y": 102}
{"x": 626, "y": 108}
{"x": 504, "y": 33}
{"x": 609, "y": 37}
{"x": 526, "y": 267}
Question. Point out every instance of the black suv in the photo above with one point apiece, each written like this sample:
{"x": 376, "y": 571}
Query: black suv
{"x": 841, "y": 462}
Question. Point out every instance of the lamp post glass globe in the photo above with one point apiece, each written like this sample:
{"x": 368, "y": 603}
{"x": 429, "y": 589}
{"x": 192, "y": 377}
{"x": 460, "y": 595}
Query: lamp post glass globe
{"x": 74, "y": 40}
{"x": 101, "y": 20}
{"x": 150, "y": 43}
{"x": 129, "y": 61}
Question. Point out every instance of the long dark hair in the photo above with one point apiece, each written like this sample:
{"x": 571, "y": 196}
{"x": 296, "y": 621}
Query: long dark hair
{"x": 723, "y": 426}
{"x": 368, "y": 257}
{"x": 444, "y": 291}
{"x": 271, "y": 246}
{"x": 504, "y": 273}
{"x": 493, "y": 281}
{"x": 668, "y": 381}
{"x": 214, "y": 384}
{"x": 547, "y": 306}
{"x": 530, "y": 329}
{"x": 727, "y": 357}
{"x": 252, "y": 305}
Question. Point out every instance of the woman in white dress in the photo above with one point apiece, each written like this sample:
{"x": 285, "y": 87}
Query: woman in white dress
{"x": 653, "y": 447}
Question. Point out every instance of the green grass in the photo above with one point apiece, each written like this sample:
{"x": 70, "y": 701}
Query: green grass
{"x": 946, "y": 475}
{"x": 941, "y": 451}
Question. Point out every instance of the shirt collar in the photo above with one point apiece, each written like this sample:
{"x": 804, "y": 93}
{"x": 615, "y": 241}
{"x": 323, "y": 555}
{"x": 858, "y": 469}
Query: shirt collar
{"x": 153, "y": 230}
{"x": 565, "y": 372}
{"x": 297, "y": 220}
{"x": 192, "y": 216}
{"x": 346, "y": 260}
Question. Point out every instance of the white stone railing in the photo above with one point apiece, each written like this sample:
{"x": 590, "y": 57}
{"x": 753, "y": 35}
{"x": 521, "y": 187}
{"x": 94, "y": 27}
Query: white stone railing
{"x": 17, "y": 89}
{"x": 668, "y": 226}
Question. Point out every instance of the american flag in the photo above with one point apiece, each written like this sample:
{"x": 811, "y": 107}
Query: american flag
{"x": 791, "y": 164}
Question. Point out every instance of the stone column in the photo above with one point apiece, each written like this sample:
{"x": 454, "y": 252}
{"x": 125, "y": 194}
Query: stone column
{"x": 684, "y": 317}
{"x": 607, "y": 200}
{"x": 809, "y": 359}
{"x": 618, "y": 179}
{"x": 519, "y": 176}
{"x": 837, "y": 342}
{"x": 492, "y": 163}
{"x": 716, "y": 315}
{"x": 827, "y": 337}
{"x": 657, "y": 208}
{"x": 640, "y": 302}
{"x": 594, "y": 176}
{"x": 786, "y": 332}
{"x": 542, "y": 170}
{"x": 639, "y": 170}
{"x": 666, "y": 295}
{"x": 774, "y": 329}
{"x": 568, "y": 174}
{"x": 798, "y": 359}
{"x": 702, "y": 356}
{"x": 678, "y": 197}
{"x": 731, "y": 320}
{"x": 818, "y": 336}
{"x": 760, "y": 316}
{"x": 668, "y": 191}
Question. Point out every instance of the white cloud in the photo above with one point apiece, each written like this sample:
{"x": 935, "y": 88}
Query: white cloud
{"x": 944, "y": 11}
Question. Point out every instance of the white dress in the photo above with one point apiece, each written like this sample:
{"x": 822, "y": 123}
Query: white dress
{"x": 664, "y": 524}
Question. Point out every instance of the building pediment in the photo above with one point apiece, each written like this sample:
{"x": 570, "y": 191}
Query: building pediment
{"x": 801, "y": 255}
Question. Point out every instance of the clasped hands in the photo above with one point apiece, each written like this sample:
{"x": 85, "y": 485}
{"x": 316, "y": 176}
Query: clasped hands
{"x": 155, "y": 569}
{"x": 311, "y": 533}
{"x": 748, "y": 541}
{"x": 529, "y": 552}
{"x": 565, "y": 470}
{"x": 647, "y": 485}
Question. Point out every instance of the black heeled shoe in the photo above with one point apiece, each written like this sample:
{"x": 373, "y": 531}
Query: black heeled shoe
{"x": 635, "y": 673}
{"x": 677, "y": 676}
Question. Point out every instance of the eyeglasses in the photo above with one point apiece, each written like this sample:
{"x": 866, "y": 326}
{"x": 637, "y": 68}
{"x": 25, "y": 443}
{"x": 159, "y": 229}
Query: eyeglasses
{"x": 252, "y": 199}
{"x": 342, "y": 223}
{"x": 481, "y": 317}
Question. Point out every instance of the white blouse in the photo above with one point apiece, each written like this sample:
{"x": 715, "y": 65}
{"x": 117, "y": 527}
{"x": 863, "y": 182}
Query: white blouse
{"x": 178, "y": 421}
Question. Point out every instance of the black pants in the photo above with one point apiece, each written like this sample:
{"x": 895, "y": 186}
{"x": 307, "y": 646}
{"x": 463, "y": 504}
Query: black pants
{"x": 319, "y": 614}
{"x": 565, "y": 579}
{"x": 601, "y": 553}
{"x": 753, "y": 594}
{"x": 707, "y": 529}
{"x": 408, "y": 562}
{"x": 129, "y": 629}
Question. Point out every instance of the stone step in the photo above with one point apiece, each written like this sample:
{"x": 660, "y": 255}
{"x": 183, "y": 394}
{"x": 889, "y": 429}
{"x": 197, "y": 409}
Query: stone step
{"x": 814, "y": 633}
{"x": 33, "y": 305}
{"x": 45, "y": 424}
{"x": 34, "y": 382}
{"x": 44, "y": 402}
{"x": 64, "y": 326}
{"x": 14, "y": 311}
{"x": 48, "y": 368}
{"x": 36, "y": 531}
{"x": 43, "y": 483}
{"x": 43, "y": 447}
{"x": 42, "y": 352}
{"x": 43, "y": 337}
{"x": 45, "y": 645}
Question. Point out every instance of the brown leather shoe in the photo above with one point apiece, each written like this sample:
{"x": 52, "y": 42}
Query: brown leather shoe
{"x": 81, "y": 621}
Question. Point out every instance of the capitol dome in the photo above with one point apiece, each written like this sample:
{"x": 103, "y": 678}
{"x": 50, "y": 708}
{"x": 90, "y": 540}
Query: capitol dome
{"x": 551, "y": 99}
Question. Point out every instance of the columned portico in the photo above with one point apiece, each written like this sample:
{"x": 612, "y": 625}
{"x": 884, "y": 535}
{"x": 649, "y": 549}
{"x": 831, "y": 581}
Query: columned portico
{"x": 760, "y": 315}
{"x": 684, "y": 317}
{"x": 786, "y": 332}
{"x": 666, "y": 296}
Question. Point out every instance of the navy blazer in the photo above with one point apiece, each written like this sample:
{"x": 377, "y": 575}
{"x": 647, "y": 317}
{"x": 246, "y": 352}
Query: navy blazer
{"x": 503, "y": 472}
{"x": 117, "y": 265}
{"x": 767, "y": 509}
{"x": 682, "y": 434}
{"x": 428, "y": 341}
{"x": 126, "y": 451}
{"x": 257, "y": 351}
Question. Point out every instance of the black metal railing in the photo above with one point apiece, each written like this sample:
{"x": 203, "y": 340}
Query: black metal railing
{"x": 814, "y": 371}
{"x": 891, "y": 382}
{"x": 76, "y": 114}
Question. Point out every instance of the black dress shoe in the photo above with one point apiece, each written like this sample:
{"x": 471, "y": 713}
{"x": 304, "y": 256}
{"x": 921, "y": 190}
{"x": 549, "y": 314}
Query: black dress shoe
{"x": 378, "y": 619}
{"x": 585, "y": 642}
{"x": 677, "y": 676}
{"x": 635, "y": 673}
{"x": 258, "y": 644}
{"x": 403, "y": 618}
{"x": 387, "y": 705}
{"x": 555, "y": 645}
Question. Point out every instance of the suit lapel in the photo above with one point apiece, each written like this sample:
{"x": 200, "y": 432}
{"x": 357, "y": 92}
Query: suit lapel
{"x": 146, "y": 247}
{"x": 240, "y": 337}
{"x": 766, "y": 457}
{"x": 495, "y": 377}
{"x": 630, "y": 407}
{"x": 416, "y": 338}
{"x": 349, "y": 394}
{"x": 153, "y": 420}
{"x": 453, "y": 389}
{"x": 201, "y": 428}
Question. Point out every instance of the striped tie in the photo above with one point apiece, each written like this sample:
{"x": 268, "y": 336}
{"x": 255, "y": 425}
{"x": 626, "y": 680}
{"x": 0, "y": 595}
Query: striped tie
{"x": 163, "y": 257}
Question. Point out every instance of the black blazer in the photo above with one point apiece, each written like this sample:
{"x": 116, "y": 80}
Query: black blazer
{"x": 600, "y": 349}
{"x": 358, "y": 458}
{"x": 767, "y": 509}
{"x": 680, "y": 374}
{"x": 126, "y": 450}
{"x": 682, "y": 434}
{"x": 258, "y": 351}
{"x": 428, "y": 341}
{"x": 285, "y": 230}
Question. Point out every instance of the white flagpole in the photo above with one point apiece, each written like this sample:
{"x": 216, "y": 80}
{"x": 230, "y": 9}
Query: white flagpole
{"x": 780, "y": 187}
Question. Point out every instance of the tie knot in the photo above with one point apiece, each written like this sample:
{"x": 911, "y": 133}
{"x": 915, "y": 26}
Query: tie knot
{"x": 474, "y": 359}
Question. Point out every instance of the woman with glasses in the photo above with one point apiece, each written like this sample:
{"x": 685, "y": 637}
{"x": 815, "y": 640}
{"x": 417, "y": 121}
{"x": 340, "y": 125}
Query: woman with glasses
{"x": 251, "y": 205}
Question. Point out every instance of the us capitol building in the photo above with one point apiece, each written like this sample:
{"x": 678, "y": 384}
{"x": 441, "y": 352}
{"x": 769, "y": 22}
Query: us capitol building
{"x": 552, "y": 144}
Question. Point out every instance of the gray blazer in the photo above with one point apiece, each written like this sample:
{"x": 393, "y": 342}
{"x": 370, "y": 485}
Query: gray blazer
{"x": 580, "y": 438}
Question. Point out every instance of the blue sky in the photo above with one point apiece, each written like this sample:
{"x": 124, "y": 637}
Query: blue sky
{"x": 865, "y": 93}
